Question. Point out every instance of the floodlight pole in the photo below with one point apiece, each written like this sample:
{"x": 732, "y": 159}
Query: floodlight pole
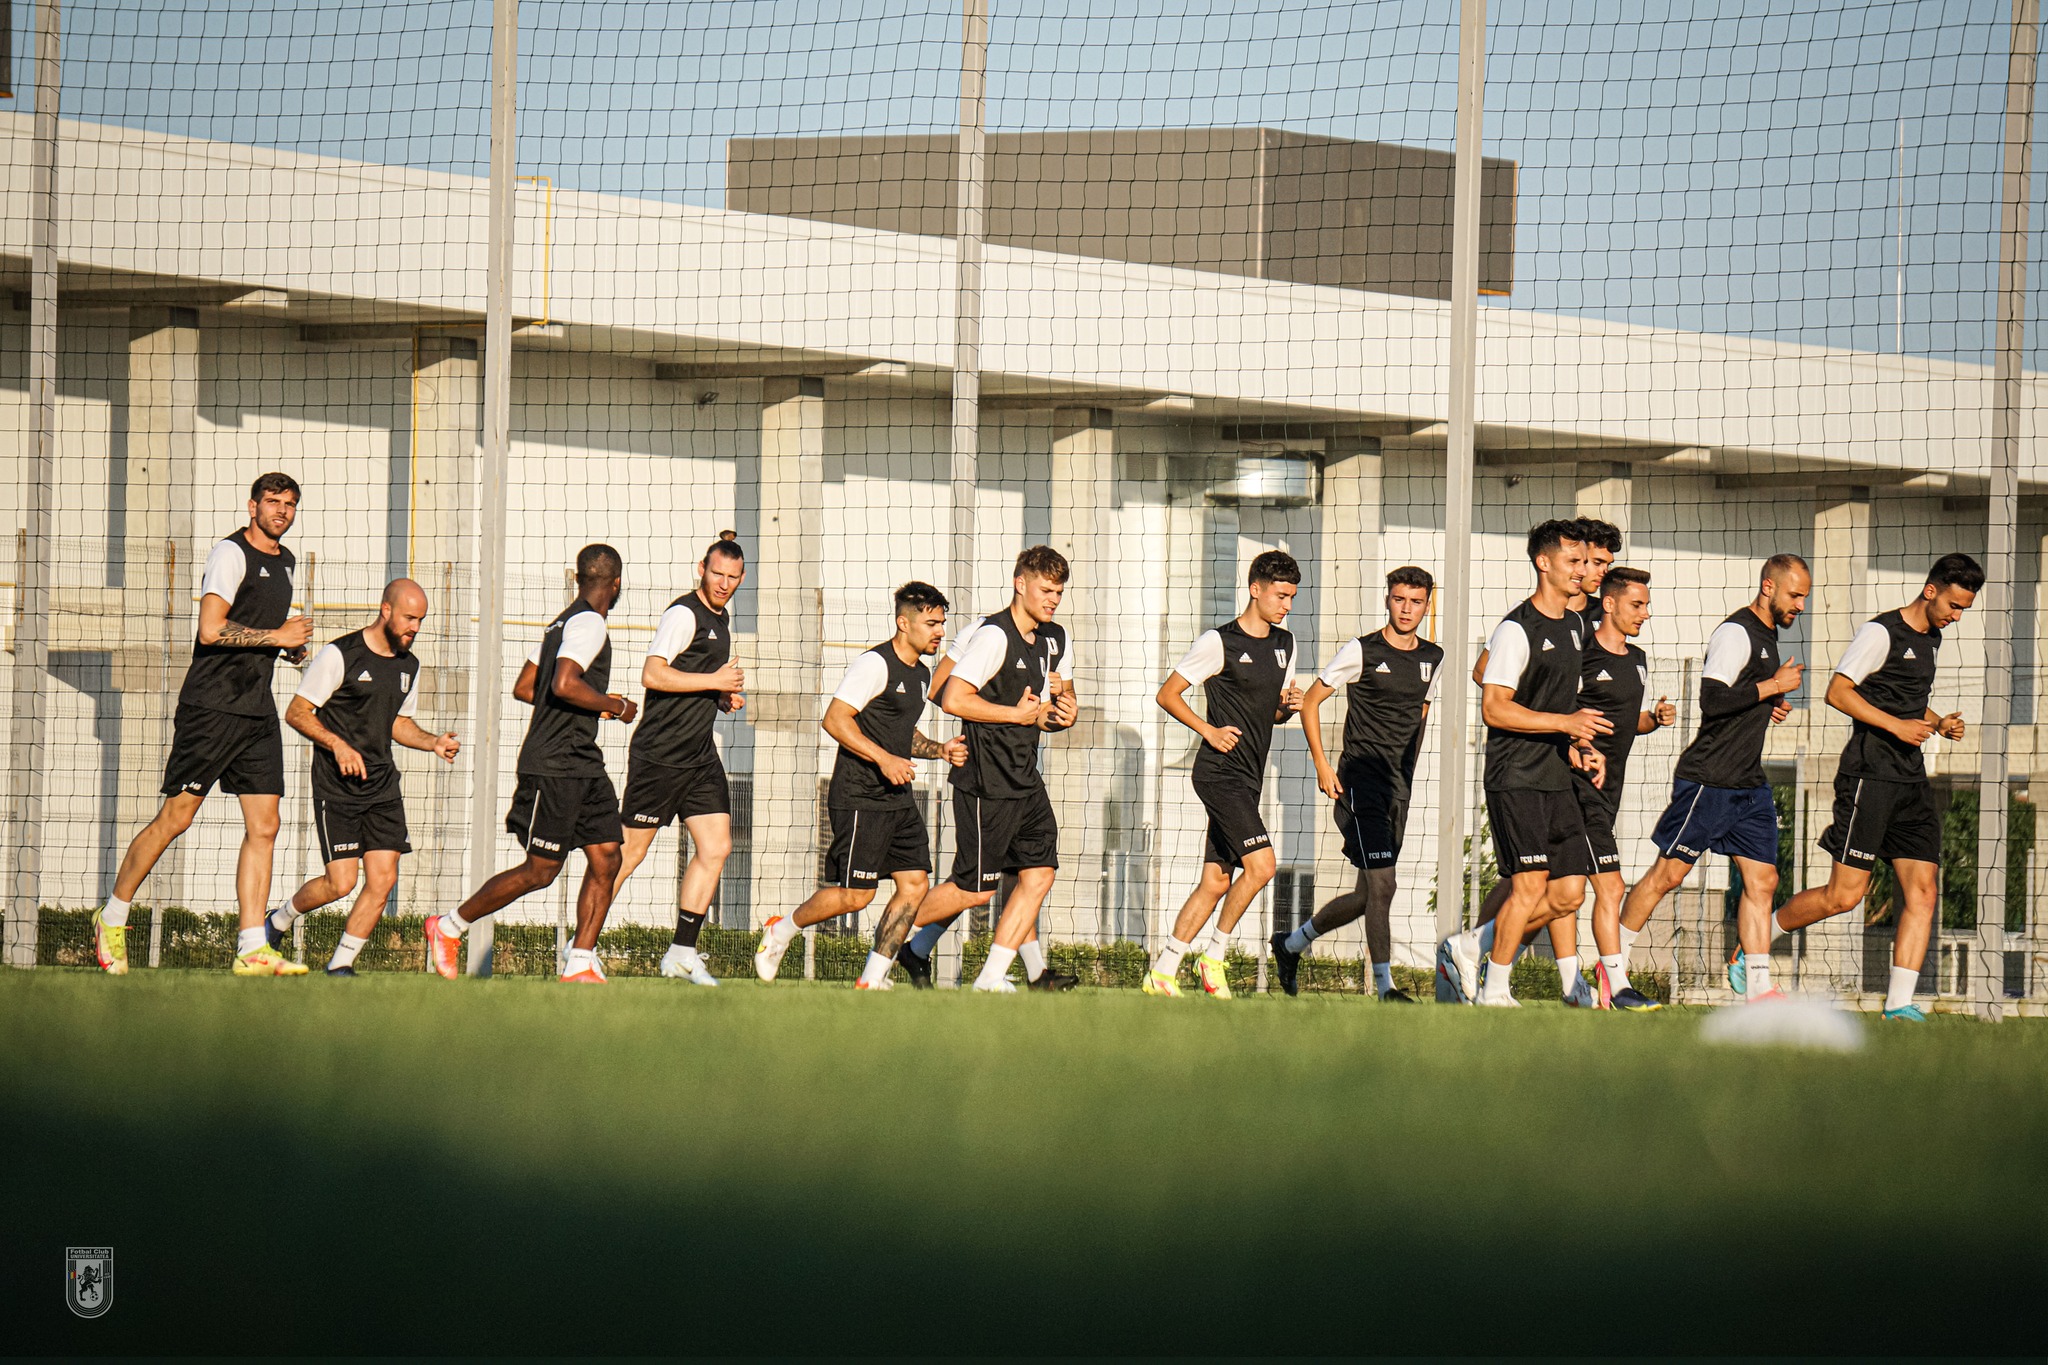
{"x": 2000, "y": 559}
{"x": 970, "y": 192}
{"x": 1456, "y": 611}
{"x": 32, "y": 588}
{"x": 490, "y": 563}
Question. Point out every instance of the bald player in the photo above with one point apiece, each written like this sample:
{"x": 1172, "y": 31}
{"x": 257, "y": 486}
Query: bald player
{"x": 357, "y": 697}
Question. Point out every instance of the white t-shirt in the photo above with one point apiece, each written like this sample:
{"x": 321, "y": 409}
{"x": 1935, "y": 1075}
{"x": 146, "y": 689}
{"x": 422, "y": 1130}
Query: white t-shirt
{"x": 225, "y": 565}
{"x": 1349, "y": 666}
{"x": 1728, "y": 653}
{"x": 323, "y": 678}
{"x": 582, "y": 638}
{"x": 1507, "y": 655}
{"x": 978, "y": 653}
{"x": 865, "y": 678}
{"x": 1866, "y": 653}
{"x": 677, "y": 631}
{"x": 1204, "y": 659}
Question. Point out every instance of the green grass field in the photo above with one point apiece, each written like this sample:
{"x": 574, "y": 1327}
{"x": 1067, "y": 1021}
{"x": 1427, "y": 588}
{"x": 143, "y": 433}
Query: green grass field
{"x": 400, "y": 1164}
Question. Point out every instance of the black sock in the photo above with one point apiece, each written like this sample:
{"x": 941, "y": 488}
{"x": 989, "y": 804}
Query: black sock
{"x": 689, "y": 924}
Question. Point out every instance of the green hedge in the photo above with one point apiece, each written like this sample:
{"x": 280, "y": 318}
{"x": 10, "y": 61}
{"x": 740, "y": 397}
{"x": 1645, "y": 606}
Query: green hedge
{"x": 399, "y": 945}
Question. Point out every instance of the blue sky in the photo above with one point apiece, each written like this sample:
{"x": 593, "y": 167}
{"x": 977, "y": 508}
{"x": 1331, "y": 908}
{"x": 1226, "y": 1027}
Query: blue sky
{"x": 1727, "y": 166}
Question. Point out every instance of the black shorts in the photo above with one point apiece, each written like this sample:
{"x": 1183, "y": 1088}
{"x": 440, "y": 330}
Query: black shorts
{"x": 1889, "y": 820}
{"x": 551, "y": 815}
{"x": 868, "y": 845}
{"x": 1598, "y": 808}
{"x": 1373, "y": 821}
{"x": 1539, "y": 832}
{"x": 245, "y": 754}
{"x": 1235, "y": 825}
{"x": 995, "y": 835}
{"x": 350, "y": 829}
{"x": 656, "y": 794}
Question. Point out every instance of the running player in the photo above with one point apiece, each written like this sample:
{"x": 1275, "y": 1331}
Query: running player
{"x": 1614, "y": 680}
{"x": 1603, "y": 542}
{"x": 358, "y": 695}
{"x": 1246, "y": 665}
{"x": 225, "y": 729}
{"x": 1536, "y": 734}
{"x": 1390, "y": 679}
{"x": 674, "y": 772}
{"x": 916, "y": 955}
{"x": 1012, "y": 681}
{"x": 1884, "y": 806}
{"x": 877, "y": 829}
{"x": 564, "y": 799}
{"x": 1720, "y": 799}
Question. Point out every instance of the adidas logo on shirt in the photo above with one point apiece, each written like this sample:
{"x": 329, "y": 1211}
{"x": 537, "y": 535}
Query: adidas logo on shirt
{"x": 1909, "y": 652}
{"x": 1020, "y": 663}
{"x": 711, "y": 634}
{"x": 1381, "y": 667}
{"x": 1244, "y": 658}
{"x": 262, "y": 572}
{"x": 1604, "y": 677}
{"x": 899, "y": 687}
{"x": 364, "y": 676}
{"x": 1548, "y": 646}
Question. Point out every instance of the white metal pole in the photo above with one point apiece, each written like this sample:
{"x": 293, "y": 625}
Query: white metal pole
{"x": 32, "y": 590}
{"x": 2000, "y": 558}
{"x": 1456, "y": 610}
{"x": 970, "y": 192}
{"x": 490, "y": 562}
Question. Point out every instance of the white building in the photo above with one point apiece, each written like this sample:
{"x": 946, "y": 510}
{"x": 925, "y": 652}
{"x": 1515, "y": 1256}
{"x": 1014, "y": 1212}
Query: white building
{"x": 226, "y": 309}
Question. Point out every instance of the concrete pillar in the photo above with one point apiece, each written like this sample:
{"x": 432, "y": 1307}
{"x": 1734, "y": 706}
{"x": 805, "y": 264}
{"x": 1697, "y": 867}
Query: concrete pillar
{"x": 1348, "y": 579}
{"x": 784, "y": 685}
{"x": 1607, "y": 491}
{"x": 1840, "y": 604}
{"x": 440, "y": 553}
{"x": 159, "y": 562}
{"x": 1080, "y": 764}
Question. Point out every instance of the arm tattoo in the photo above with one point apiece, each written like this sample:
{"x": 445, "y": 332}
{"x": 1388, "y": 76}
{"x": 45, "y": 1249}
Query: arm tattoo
{"x": 236, "y": 636}
{"x": 920, "y": 747}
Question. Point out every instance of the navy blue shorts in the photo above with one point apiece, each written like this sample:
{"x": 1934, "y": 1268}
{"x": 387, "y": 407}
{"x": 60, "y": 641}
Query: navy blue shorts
{"x": 1741, "y": 822}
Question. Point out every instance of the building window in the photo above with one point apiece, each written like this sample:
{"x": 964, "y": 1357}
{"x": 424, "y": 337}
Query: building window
{"x": 1294, "y": 898}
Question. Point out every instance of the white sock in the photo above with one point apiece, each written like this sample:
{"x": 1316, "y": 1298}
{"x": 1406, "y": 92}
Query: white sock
{"x": 877, "y": 969}
{"x": 1298, "y": 941}
{"x": 1382, "y": 977}
{"x": 114, "y": 914}
{"x": 1568, "y": 978}
{"x": 282, "y": 917}
{"x": 578, "y": 960}
{"x": 1757, "y": 967}
{"x": 345, "y": 955}
{"x": 1628, "y": 942}
{"x": 1033, "y": 954}
{"x": 1777, "y": 927}
{"x": 782, "y": 931}
{"x": 1219, "y": 944}
{"x": 1904, "y": 980}
{"x": 1494, "y": 986}
{"x": 452, "y": 923}
{"x": 249, "y": 940}
{"x": 997, "y": 967}
{"x": 1170, "y": 956}
{"x": 1617, "y": 970}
